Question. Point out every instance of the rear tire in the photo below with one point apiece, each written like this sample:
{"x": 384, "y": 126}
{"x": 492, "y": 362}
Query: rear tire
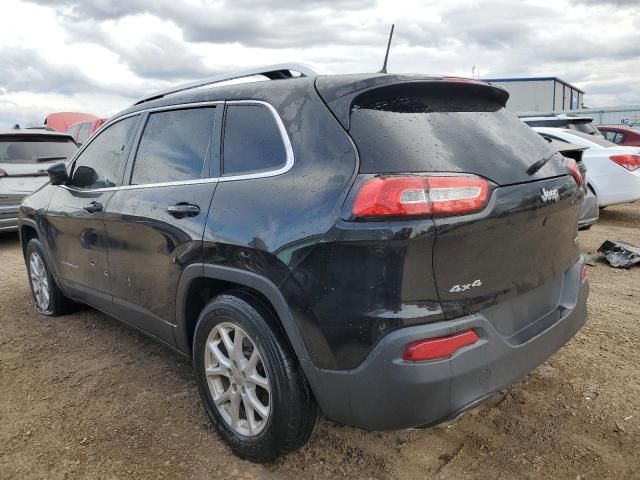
{"x": 47, "y": 297}
{"x": 250, "y": 382}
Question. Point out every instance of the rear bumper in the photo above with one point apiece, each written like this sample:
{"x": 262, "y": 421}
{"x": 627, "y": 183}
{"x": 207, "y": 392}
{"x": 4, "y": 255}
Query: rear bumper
{"x": 615, "y": 189}
{"x": 385, "y": 392}
{"x": 9, "y": 218}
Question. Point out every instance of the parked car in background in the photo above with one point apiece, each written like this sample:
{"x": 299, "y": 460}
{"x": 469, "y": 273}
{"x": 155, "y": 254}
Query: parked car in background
{"x": 25, "y": 155}
{"x": 613, "y": 171}
{"x": 386, "y": 249}
{"x": 61, "y": 121}
{"x": 83, "y": 130}
{"x": 589, "y": 212}
{"x": 572, "y": 122}
{"x": 621, "y": 135}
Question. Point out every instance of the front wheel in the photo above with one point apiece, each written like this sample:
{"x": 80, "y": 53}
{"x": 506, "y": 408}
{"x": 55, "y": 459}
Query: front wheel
{"x": 251, "y": 385}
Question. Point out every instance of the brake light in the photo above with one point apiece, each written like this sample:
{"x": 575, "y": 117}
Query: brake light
{"x": 630, "y": 162}
{"x": 3, "y": 173}
{"x": 438, "y": 348}
{"x": 575, "y": 171}
{"x": 424, "y": 196}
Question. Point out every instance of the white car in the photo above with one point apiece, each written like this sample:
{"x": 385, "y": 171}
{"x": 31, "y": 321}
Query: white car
{"x": 613, "y": 172}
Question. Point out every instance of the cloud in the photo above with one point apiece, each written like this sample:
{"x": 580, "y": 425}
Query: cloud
{"x": 157, "y": 55}
{"x": 618, "y": 3}
{"x": 12, "y": 113}
{"x": 24, "y": 69}
{"x": 99, "y": 55}
{"x": 260, "y": 23}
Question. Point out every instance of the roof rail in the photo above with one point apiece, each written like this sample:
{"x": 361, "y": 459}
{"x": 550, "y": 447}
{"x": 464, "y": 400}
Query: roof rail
{"x": 273, "y": 72}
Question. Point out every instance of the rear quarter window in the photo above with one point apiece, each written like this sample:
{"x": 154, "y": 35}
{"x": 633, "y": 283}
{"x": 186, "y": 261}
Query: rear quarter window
{"x": 252, "y": 141}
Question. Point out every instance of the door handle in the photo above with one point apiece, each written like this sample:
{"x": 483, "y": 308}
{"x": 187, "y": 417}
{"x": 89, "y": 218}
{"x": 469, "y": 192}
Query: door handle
{"x": 181, "y": 210}
{"x": 93, "y": 207}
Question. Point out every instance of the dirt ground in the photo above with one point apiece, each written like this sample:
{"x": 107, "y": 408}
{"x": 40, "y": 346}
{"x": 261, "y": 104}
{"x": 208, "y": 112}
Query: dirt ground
{"x": 83, "y": 396}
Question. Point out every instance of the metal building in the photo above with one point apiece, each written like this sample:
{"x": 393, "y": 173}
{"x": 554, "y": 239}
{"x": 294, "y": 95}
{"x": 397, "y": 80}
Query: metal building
{"x": 539, "y": 94}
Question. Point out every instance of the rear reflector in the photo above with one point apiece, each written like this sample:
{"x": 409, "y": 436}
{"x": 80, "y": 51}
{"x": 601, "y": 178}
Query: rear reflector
{"x": 441, "y": 347}
{"x": 425, "y": 196}
{"x": 630, "y": 162}
{"x": 575, "y": 171}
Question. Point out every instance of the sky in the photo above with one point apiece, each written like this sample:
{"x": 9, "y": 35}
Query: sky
{"x": 98, "y": 56}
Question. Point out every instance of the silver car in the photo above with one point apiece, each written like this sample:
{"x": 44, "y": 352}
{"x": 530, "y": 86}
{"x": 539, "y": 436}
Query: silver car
{"x": 25, "y": 155}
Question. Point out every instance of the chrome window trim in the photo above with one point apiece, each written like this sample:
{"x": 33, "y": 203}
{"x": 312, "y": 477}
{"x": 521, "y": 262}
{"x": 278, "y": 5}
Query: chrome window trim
{"x": 288, "y": 165}
{"x": 289, "y": 161}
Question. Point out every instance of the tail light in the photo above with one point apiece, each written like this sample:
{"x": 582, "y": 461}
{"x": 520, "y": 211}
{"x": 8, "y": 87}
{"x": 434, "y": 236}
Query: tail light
{"x": 630, "y": 162}
{"x": 3, "y": 173}
{"x": 424, "y": 196}
{"x": 438, "y": 348}
{"x": 575, "y": 171}
{"x": 583, "y": 272}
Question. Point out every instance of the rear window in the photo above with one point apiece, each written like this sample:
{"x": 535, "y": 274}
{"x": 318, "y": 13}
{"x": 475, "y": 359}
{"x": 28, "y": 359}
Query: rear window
{"x": 598, "y": 140}
{"x": 416, "y": 129}
{"x": 252, "y": 140}
{"x": 584, "y": 126}
{"x": 33, "y": 149}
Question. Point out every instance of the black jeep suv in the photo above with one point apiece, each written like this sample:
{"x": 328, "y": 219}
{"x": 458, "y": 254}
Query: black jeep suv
{"x": 385, "y": 249}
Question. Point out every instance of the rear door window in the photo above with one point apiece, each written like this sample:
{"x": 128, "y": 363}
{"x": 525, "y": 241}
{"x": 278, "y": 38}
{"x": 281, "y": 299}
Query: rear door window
{"x": 252, "y": 141}
{"x": 174, "y": 146}
{"x": 101, "y": 164}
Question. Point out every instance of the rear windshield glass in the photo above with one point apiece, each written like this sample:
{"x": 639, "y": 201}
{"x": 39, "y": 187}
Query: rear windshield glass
{"x": 586, "y": 127}
{"x": 411, "y": 129}
{"x": 36, "y": 150}
{"x": 598, "y": 140}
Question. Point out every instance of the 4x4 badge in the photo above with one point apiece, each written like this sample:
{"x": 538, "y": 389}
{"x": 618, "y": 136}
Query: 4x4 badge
{"x": 550, "y": 195}
{"x": 465, "y": 286}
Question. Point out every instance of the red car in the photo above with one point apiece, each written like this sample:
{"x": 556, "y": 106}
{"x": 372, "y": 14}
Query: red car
{"x": 83, "y": 130}
{"x": 621, "y": 135}
{"x": 61, "y": 121}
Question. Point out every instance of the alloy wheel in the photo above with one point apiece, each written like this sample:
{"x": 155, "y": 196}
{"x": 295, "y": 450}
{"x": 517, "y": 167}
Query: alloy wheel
{"x": 39, "y": 281}
{"x": 237, "y": 379}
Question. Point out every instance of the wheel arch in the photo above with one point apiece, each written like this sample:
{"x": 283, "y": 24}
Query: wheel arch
{"x": 28, "y": 230}
{"x": 219, "y": 279}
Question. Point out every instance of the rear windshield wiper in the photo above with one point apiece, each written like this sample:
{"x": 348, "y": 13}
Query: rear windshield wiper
{"x": 49, "y": 159}
{"x": 539, "y": 164}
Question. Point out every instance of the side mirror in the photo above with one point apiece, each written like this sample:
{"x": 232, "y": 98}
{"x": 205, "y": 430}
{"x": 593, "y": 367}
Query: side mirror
{"x": 84, "y": 176}
{"x": 58, "y": 174}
